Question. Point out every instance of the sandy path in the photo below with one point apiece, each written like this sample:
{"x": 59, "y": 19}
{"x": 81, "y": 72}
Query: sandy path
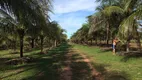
{"x": 67, "y": 71}
{"x": 95, "y": 75}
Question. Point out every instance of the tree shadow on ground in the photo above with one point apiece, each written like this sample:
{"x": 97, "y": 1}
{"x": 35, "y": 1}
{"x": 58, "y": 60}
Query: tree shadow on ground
{"x": 2, "y": 60}
{"x": 81, "y": 70}
{"x": 103, "y": 50}
{"x": 45, "y": 67}
{"x": 129, "y": 55}
{"x": 30, "y": 50}
{"x": 102, "y": 45}
{"x": 110, "y": 75}
{"x": 49, "y": 66}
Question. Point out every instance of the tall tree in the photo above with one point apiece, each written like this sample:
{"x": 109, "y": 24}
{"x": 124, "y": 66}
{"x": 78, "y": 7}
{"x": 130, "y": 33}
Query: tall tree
{"x": 23, "y": 14}
{"x": 131, "y": 11}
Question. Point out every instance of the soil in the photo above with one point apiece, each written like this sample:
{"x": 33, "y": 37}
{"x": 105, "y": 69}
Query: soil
{"x": 72, "y": 72}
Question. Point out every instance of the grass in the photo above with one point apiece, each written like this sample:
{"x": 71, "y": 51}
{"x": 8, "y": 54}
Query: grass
{"x": 111, "y": 66}
{"x": 49, "y": 66}
{"x": 44, "y": 67}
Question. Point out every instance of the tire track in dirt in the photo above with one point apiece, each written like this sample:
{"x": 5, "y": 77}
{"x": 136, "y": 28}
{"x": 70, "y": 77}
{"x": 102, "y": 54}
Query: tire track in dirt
{"x": 66, "y": 73}
{"x": 78, "y": 67}
{"x": 95, "y": 75}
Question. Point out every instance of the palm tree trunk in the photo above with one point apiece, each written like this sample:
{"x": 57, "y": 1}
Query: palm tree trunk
{"x": 91, "y": 41}
{"x": 96, "y": 41}
{"x": 100, "y": 41}
{"x": 41, "y": 44}
{"x": 32, "y": 44}
{"x": 128, "y": 41}
{"x": 14, "y": 45}
{"x": 55, "y": 43}
{"x": 107, "y": 38}
{"x": 21, "y": 46}
{"x": 21, "y": 36}
{"x": 127, "y": 45}
{"x": 85, "y": 42}
{"x": 138, "y": 41}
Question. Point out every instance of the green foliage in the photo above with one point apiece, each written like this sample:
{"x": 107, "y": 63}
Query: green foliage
{"x": 81, "y": 34}
{"x": 26, "y": 20}
{"x": 114, "y": 18}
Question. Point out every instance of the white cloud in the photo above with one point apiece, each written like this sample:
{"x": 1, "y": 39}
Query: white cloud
{"x": 66, "y": 6}
{"x": 71, "y": 14}
{"x": 70, "y": 22}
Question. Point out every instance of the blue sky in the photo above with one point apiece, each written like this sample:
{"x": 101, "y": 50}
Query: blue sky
{"x": 71, "y": 14}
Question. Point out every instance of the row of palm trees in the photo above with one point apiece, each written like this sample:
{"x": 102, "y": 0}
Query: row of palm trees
{"x": 114, "y": 18}
{"x": 28, "y": 20}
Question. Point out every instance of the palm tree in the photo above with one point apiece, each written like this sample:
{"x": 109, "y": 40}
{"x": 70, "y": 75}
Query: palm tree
{"x": 98, "y": 27}
{"x": 22, "y": 13}
{"x": 33, "y": 33}
{"x": 131, "y": 11}
{"x": 114, "y": 18}
{"x": 81, "y": 36}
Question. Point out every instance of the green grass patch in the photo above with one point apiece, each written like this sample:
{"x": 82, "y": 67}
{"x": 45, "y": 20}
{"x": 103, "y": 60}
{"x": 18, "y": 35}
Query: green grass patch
{"x": 44, "y": 67}
{"x": 111, "y": 66}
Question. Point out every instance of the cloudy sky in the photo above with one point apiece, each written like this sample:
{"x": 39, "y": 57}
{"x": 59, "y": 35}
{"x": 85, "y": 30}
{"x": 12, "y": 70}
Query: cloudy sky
{"x": 71, "y": 14}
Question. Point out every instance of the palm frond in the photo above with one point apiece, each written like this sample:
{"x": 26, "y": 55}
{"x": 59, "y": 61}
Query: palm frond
{"x": 128, "y": 27}
{"x": 113, "y": 9}
{"x": 130, "y": 5}
{"x": 138, "y": 13}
